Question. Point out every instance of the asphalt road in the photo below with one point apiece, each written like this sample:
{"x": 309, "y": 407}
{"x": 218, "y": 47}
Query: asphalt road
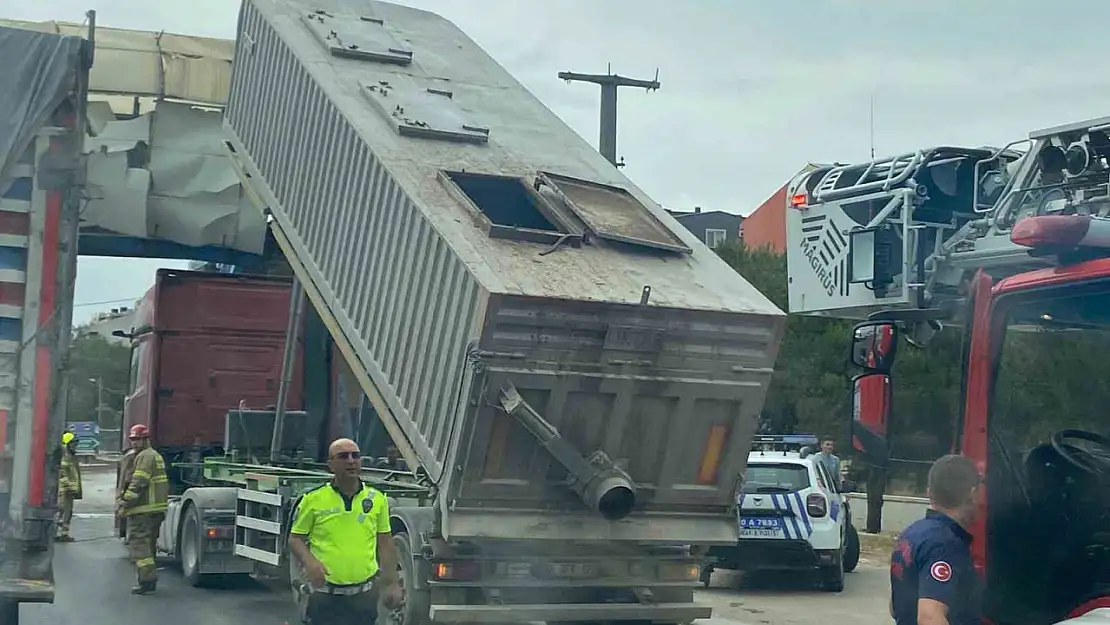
{"x": 94, "y": 579}
{"x": 794, "y": 601}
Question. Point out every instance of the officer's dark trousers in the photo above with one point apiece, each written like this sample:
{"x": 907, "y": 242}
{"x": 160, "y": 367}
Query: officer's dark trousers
{"x": 324, "y": 609}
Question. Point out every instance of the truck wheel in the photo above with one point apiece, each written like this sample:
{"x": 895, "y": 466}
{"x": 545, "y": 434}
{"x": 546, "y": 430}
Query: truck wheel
{"x": 706, "y": 575}
{"x": 190, "y": 547}
{"x": 851, "y": 549}
{"x": 414, "y": 610}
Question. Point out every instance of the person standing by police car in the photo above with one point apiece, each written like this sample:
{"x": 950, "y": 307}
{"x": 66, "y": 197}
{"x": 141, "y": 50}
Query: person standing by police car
{"x": 932, "y": 578}
{"x": 341, "y": 536}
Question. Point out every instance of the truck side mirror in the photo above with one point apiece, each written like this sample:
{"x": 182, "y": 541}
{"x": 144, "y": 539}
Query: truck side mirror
{"x": 874, "y": 345}
{"x": 870, "y": 414}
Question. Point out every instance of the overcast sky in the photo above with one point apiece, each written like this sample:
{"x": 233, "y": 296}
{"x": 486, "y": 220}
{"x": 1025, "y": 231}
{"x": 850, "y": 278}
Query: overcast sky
{"x": 751, "y": 91}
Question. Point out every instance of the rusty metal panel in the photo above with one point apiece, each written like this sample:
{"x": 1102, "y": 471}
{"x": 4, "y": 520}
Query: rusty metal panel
{"x": 405, "y": 268}
{"x": 648, "y": 386}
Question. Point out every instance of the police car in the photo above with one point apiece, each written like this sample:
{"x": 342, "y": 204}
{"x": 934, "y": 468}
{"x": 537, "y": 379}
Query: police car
{"x": 791, "y": 516}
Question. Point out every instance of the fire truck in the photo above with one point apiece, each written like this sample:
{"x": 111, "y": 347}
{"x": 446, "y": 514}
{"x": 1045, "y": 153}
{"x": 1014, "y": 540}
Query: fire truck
{"x": 1013, "y": 244}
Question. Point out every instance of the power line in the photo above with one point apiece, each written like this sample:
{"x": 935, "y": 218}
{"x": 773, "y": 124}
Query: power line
{"x": 107, "y": 301}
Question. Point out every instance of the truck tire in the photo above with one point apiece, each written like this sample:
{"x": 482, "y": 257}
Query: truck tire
{"x": 851, "y": 549}
{"x": 414, "y": 610}
{"x": 706, "y": 575}
{"x": 189, "y": 547}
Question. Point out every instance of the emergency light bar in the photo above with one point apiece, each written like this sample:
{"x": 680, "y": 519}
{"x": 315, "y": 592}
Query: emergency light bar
{"x": 782, "y": 442}
{"x": 1062, "y": 231}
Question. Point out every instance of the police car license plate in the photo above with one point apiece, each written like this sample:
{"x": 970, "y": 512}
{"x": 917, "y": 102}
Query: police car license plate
{"x": 760, "y": 528}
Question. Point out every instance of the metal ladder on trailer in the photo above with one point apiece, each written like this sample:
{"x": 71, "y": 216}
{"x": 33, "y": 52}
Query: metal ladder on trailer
{"x": 267, "y": 495}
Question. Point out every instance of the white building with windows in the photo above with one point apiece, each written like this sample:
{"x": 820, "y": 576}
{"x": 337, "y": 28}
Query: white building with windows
{"x": 104, "y": 324}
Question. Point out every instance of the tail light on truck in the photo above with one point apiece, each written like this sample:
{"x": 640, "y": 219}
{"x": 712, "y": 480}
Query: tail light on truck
{"x": 460, "y": 571}
{"x": 816, "y": 505}
{"x": 679, "y": 572}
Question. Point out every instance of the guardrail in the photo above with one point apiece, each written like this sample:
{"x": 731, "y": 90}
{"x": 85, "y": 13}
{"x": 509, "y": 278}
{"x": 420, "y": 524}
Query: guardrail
{"x": 898, "y": 511}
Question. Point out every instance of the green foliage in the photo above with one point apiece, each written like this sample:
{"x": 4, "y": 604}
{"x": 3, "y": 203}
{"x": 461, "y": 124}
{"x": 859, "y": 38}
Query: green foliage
{"x": 93, "y": 358}
{"x": 810, "y": 390}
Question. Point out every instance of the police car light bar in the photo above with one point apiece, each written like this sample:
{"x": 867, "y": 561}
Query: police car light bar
{"x": 1062, "y": 231}
{"x": 769, "y": 442}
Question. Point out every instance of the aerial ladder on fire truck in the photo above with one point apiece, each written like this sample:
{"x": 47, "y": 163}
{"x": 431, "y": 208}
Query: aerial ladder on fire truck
{"x": 901, "y": 238}
{"x": 908, "y": 232}
{"x": 1014, "y": 244}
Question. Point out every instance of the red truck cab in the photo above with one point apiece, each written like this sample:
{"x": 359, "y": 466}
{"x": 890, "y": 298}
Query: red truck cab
{"x": 1034, "y": 419}
{"x": 204, "y": 344}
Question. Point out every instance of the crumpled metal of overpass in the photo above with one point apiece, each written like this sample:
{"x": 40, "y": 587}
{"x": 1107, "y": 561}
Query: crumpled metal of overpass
{"x": 158, "y": 182}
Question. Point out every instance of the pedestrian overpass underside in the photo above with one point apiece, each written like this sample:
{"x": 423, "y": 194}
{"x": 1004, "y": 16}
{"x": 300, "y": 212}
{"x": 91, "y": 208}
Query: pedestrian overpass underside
{"x": 158, "y": 181}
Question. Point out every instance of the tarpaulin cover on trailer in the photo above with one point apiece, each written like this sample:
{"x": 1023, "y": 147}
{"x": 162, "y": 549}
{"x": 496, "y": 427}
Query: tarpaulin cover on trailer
{"x": 39, "y": 70}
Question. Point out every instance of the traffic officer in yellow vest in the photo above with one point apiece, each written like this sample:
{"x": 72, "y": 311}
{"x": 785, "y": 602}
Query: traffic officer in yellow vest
{"x": 341, "y": 536}
{"x": 69, "y": 486}
{"x": 144, "y": 505}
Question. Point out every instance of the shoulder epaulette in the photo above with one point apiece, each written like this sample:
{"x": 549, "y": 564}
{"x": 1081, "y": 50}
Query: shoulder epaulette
{"x": 314, "y": 490}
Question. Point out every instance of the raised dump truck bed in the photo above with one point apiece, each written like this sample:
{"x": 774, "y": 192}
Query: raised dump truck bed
{"x": 483, "y": 268}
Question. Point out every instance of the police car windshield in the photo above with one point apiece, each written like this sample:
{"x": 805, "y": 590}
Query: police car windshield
{"x": 775, "y": 478}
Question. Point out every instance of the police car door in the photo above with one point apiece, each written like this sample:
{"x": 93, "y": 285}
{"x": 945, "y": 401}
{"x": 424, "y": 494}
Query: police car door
{"x": 831, "y": 490}
{"x": 772, "y": 501}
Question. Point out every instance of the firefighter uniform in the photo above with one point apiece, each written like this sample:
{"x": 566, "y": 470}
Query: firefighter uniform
{"x": 932, "y": 560}
{"x": 123, "y": 479}
{"x": 69, "y": 486}
{"x": 144, "y": 506}
{"x": 342, "y": 533}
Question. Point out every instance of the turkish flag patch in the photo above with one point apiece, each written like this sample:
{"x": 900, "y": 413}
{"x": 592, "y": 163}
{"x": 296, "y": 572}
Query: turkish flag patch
{"x": 941, "y": 571}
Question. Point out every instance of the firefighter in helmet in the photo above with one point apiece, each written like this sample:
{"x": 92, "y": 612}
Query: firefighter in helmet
{"x": 143, "y": 503}
{"x": 69, "y": 486}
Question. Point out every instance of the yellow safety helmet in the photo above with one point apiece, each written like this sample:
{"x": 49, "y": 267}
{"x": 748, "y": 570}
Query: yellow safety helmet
{"x": 68, "y": 437}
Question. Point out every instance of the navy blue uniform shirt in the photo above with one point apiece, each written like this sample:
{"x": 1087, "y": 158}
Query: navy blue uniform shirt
{"x": 932, "y": 560}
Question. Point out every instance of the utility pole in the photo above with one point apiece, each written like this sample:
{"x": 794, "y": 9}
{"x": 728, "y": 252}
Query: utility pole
{"x": 99, "y": 396}
{"x": 609, "y": 83}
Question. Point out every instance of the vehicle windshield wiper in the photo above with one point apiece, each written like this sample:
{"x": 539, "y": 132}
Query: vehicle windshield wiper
{"x": 773, "y": 489}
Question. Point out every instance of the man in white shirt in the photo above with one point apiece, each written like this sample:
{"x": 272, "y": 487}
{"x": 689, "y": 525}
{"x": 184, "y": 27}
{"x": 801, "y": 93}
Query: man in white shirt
{"x": 829, "y": 459}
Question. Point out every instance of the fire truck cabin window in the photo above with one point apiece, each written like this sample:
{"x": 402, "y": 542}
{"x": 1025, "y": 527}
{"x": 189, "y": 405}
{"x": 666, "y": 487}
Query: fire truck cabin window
{"x": 1048, "y": 488}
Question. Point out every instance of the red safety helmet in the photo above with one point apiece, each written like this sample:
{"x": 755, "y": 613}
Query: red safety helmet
{"x": 139, "y": 431}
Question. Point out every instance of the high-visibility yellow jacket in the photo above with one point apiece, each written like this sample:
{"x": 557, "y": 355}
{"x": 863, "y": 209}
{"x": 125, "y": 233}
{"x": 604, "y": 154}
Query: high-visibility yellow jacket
{"x": 149, "y": 488}
{"x": 69, "y": 477}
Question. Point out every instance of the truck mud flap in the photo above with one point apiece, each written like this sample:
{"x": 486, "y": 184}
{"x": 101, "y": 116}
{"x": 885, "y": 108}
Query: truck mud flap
{"x": 667, "y": 612}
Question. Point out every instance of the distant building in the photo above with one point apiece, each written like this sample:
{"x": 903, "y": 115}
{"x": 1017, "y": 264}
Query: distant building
{"x": 200, "y": 265}
{"x": 122, "y": 318}
{"x": 712, "y": 227}
{"x": 766, "y": 225}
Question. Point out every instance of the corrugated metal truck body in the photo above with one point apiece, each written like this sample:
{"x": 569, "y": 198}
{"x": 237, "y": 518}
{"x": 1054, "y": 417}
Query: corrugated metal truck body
{"x": 466, "y": 244}
{"x": 41, "y": 125}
